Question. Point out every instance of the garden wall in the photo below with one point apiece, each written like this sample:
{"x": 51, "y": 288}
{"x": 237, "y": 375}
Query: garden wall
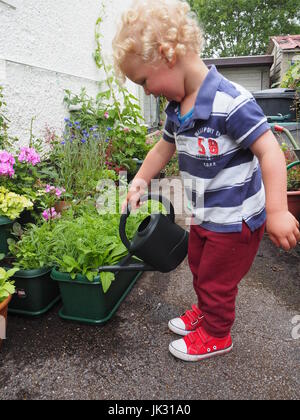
{"x": 46, "y": 46}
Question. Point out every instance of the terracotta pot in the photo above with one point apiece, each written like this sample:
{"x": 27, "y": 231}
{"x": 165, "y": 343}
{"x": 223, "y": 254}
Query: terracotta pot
{"x": 61, "y": 206}
{"x": 3, "y": 315}
{"x": 294, "y": 203}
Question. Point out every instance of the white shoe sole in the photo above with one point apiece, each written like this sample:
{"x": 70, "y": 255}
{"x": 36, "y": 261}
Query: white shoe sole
{"x": 177, "y": 330}
{"x": 196, "y": 358}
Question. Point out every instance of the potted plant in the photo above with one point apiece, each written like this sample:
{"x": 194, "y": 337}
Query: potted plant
{"x": 84, "y": 242}
{"x": 293, "y": 192}
{"x": 35, "y": 293}
{"x": 6, "y": 290}
{"x": 11, "y": 206}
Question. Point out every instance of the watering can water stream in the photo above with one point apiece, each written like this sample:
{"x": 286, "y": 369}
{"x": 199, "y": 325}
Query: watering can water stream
{"x": 159, "y": 242}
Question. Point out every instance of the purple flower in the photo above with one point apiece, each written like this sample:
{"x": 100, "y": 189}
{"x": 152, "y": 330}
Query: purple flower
{"x": 58, "y": 191}
{"x": 6, "y": 157}
{"x": 6, "y": 169}
{"x": 50, "y": 214}
{"x": 49, "y": 188}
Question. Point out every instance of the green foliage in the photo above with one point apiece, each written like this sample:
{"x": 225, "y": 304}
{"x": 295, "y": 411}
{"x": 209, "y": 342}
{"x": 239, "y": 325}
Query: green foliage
{"x": 32, "y": 247}
{"x": 293, "y": 176}
{"x": 78, "y": 243}
{"x": 127, "y": 131}
{"x": 12, "y": 205}
{"x": 291, "y": 80}
{"x": 292, "y": 77}
{"x": 6, "y": 286}
{"x": 243, "y": 27}
{"x": 79, "y": 158}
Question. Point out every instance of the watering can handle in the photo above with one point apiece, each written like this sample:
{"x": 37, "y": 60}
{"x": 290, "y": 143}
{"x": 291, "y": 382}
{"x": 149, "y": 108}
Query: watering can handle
{"x": 168, "y": 205}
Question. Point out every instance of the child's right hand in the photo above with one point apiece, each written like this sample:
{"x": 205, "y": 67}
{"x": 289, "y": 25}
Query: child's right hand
{"x": 137, "y": 190}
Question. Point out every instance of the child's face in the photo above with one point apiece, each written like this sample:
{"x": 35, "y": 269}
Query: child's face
{"x": 161, "y": 78}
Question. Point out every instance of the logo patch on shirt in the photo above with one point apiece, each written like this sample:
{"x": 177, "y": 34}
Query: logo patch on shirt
{"x": 208, "y": 147}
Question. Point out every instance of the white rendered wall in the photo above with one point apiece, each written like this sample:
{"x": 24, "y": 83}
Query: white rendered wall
{"x": 46, "y": 46}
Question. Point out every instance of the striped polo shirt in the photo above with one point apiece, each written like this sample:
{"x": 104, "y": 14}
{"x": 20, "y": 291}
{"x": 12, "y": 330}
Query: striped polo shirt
{"x": 213, "y": 146}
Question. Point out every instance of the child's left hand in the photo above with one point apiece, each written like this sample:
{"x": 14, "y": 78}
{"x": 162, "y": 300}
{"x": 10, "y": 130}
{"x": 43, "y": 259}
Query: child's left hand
{"x": 283, "y": 229}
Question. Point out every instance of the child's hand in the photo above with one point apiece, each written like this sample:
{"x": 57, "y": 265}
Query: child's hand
{"x": 283, "y": 229}
{"x": 137, "y": 190}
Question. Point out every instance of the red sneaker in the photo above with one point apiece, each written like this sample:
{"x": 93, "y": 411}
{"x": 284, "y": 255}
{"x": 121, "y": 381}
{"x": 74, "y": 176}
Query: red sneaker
{"x": 187, "y": 322}
{"x": 199, "y": 345}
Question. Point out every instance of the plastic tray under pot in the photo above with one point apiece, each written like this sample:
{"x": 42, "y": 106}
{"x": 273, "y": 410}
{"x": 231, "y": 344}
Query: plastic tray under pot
{"x": 85, "y": 301}
{"x": 36, "y": 293}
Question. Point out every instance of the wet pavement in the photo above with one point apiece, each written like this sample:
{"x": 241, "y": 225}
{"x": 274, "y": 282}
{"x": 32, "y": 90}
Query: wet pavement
{"x": 128, "y": 358}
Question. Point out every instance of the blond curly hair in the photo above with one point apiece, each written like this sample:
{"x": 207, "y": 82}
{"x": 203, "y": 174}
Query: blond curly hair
{"x": 152, "y": 26}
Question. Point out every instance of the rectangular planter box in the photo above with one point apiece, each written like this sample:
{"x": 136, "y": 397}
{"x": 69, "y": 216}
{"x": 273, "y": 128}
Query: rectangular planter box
{"x": 36, "y": 293}
{"x": 85, "y": 301}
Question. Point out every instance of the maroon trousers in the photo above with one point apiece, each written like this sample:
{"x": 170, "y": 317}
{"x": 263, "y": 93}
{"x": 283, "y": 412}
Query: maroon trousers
{"x": 218, "y": 262}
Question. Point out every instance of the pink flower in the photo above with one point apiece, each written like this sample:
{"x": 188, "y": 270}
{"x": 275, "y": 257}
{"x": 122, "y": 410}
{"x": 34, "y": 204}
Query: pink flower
{"x": 58, "y": 191}
{"x": 106, "y": 115}
{"x": 6, "y": 157}
{"x": 6, "y": 169}
{"x": 50, "y": 214}
{"x": 126, "y": 130}
{"x": 29, "y": 155}
{"x": 49, "y": 188}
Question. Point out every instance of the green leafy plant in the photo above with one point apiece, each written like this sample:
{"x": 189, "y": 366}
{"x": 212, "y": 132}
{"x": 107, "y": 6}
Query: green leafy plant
{"x": 293, "y": 179}
{"x": 79, "y": 158}
{"x": 7, "y": 287}
{"x": 126, "y": 128}
{"x": 293, "y": 174}
{"x": 291, "y": 80}
{"x": 12, "y": 205}
{"x": 31, "y": 248}
{"x": 78, "y": 243}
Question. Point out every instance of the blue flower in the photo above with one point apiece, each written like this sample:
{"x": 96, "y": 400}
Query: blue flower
{"x": 83, "y": 141}
{"x": 109, "y": 129}
{"x": 63, "y": 143}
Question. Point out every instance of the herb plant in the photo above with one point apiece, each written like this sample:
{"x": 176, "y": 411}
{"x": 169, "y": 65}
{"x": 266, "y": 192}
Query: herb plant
{"x": 6, "y": 285}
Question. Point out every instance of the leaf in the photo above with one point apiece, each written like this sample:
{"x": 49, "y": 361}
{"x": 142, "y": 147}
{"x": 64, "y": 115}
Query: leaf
{"x": 106, "y": 280}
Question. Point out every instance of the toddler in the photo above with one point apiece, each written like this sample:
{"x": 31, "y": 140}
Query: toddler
{"x": 223, "y": 139}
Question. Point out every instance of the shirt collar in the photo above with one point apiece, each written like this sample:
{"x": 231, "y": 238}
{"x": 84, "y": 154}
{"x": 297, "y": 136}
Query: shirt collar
{"x": 205, "y": 98}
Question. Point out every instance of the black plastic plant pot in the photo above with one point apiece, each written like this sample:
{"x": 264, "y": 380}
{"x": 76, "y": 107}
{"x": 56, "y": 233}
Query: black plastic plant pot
{"x": 85, "y": 301}
{"x": 35, "y": 294}
{"x": 5, "y": 233}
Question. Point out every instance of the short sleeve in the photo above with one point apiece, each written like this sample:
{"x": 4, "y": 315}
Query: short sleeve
{"x": 168, "y": 132}
{"x": 246, "y": 121}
